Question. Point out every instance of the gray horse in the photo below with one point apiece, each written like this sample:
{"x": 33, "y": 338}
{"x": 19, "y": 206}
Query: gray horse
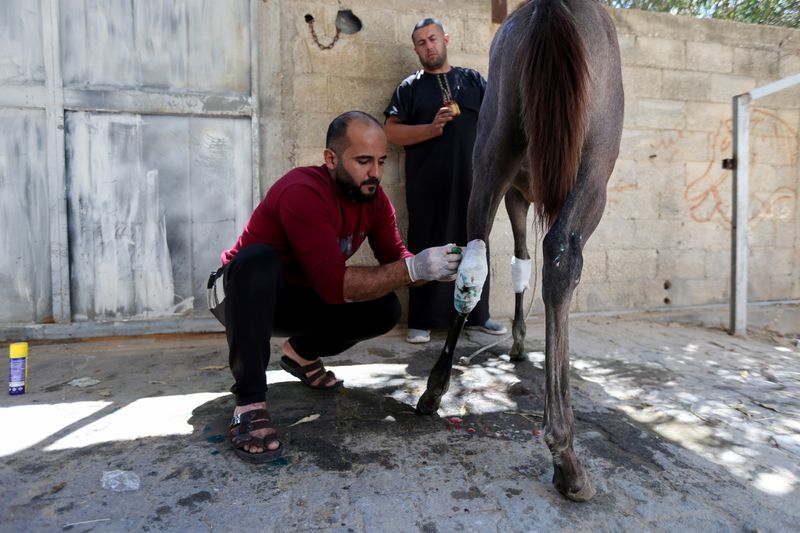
{"x": 555, "y": 93}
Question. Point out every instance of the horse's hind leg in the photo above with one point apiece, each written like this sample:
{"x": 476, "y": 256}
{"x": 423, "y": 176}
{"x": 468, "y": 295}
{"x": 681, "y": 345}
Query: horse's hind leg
{"x": 562, "y": 266}
{"x": 517, "y": 208}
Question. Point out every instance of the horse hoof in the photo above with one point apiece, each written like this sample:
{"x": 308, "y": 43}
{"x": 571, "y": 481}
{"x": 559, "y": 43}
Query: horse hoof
{"x": 577, "y": 488}
{"x": 583, "y": 495}
{"x": 517, "y": 356}
{"x": 428, "y": 404}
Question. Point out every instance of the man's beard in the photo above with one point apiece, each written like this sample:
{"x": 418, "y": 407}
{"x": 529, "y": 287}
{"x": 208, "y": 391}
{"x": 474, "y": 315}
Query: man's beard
{"x": 345, "y": 182}
{"x": 436, "y": 63}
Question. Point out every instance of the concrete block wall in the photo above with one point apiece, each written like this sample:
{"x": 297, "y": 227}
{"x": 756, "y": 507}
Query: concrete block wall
{"x": 664, "y": 240}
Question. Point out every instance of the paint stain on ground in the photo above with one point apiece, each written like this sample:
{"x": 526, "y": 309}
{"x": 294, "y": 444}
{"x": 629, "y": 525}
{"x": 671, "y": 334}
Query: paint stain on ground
{"x": 192, "y": 502}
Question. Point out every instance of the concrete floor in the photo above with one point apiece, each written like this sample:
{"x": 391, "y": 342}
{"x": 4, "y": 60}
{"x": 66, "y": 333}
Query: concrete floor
{"x": 681, "y": 427}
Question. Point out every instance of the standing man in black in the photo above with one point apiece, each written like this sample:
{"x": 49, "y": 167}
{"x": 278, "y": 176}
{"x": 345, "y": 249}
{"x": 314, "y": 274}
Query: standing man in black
{"x": 433, "y": 114}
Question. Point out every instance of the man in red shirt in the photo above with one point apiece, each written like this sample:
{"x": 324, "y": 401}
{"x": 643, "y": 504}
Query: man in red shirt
{"x": 287, "y": 274}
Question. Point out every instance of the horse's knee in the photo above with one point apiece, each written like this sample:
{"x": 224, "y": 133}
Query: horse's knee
{"x": 563, "y": 263}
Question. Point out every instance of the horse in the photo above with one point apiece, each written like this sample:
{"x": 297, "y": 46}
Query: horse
{"x": 554, "y": 94}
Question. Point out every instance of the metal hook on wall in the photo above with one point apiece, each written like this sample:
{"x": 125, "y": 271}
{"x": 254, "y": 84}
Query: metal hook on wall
{"x": 346, "y": 22}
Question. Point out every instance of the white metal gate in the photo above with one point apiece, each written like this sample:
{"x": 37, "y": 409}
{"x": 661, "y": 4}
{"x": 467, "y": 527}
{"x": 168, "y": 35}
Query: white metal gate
{"x": 128, "y": 154}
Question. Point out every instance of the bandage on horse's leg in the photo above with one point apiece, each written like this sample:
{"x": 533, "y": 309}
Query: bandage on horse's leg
{"x": 517, "y": 208}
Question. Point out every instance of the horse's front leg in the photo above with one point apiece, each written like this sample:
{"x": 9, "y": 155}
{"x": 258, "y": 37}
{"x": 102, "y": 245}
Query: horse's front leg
{"x": 439, "y": 378}
{"x": 517, "y": 208}
{"x": 561, "y": 272}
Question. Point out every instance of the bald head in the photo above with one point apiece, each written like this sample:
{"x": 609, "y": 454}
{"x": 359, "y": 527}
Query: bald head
{"x": 337, "y": 138}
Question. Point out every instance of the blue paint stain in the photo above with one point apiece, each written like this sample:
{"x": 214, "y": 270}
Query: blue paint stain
{"x": 216, "y": 439}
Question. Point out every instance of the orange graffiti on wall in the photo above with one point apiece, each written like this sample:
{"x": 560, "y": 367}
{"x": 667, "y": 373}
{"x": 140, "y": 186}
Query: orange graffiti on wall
{"x": 768, "y": 133}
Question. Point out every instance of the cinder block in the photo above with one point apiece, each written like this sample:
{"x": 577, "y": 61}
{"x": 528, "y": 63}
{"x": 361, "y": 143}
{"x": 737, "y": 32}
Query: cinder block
{"x": 631, "y": 264}
{"x": 613, "y": 232}
{"x": 641, "y": 82}
{"x": 623, "y": 178}
{"x": 707, "y": 192}
{"x": 699, "y": 292}
{"x": 672, "y": 205}
{"x": 709, "y": 117}
{"x": 789, "y": 64}
{"x": 768, "y": 149}
{"x": 774, "y": 261}
{"x": 310, "y": 93}
{"x": 311, "y": 129}
{"x": 609, "y": 296}
{"x": 660, "y": 114}
{"x": 594, "y": 266}
{"x": 709, "y": 57}
{"x": 653, "y": 174}
{"x": 713, "y": 235}
{"x": 634, "y": 143}
{"x": 762, "y": 177}
{"x": 684, "y": 263}
{"x": 306, "y": 157}
{"x": 717, "y": 263}
{"x": 663, "y": 235}
{"x": 670, "y": 146}
{"x": 686, "y": 85}
{"x": 477, "y": 38}
{"x": 654, "y": 52}
{"x": 786, "y": 99}
{"x": 634, "y": 205}
{"x": 725, "y": 86}
{"x": 756, "y": 63}
{"x": 379, "y": 27}
{"x": 782, "y": 287}
{"x": 358, "y": 93}
{"x": 786, "y": 176}
{"x": 479, "y": 62}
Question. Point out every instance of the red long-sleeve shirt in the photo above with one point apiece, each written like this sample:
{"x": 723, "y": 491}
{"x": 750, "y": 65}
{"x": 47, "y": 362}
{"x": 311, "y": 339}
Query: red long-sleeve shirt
{"x": 315, "y": 228}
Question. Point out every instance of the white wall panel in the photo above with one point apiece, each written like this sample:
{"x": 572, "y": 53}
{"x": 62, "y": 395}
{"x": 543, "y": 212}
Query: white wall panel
{"x": 172, "y": 45}
{"x": 21, "y": 60}
{"x": 25, "y": 287}
{"x": 152, "y": 202}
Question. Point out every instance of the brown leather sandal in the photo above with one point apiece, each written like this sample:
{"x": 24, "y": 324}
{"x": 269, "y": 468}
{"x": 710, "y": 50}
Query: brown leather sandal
{"x": 317, "y": 370}
{"x": 240, "y": 435}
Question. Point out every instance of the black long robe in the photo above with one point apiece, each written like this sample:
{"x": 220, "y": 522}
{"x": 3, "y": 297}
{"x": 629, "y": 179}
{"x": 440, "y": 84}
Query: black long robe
{"x": 438, "y": 183}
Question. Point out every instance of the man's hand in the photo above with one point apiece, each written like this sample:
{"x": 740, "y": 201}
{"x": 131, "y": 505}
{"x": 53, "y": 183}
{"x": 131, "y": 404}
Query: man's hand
{"x": 442, "y": 117}
{"x": 439, "y": 263}
{"x": 471, "y": 276}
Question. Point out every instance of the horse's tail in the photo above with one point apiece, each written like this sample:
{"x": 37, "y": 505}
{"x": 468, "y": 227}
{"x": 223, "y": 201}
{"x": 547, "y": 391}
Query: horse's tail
{"x": 555, "y": 85}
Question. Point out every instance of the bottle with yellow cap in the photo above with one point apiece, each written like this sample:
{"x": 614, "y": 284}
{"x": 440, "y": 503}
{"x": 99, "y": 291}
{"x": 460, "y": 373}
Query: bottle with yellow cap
{"x": 17, "y": 367}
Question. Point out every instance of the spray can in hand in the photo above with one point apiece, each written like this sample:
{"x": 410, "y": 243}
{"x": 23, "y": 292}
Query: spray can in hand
{"x": 17, "y": 367}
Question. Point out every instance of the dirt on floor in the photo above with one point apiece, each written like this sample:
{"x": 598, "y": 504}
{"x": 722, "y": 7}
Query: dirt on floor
{"x": 680, "y": 426}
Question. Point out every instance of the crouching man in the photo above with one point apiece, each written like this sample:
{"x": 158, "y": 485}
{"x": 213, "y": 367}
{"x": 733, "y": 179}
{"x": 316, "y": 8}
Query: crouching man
{"x": 286, "y": 275}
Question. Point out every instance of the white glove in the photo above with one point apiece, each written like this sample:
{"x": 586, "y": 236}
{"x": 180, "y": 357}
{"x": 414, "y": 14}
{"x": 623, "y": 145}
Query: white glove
{"x": 438, "y": 263}
{"x": 520, "y": 274}
{"x": 471, "y": 276}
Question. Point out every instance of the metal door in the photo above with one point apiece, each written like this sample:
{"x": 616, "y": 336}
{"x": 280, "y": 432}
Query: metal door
{"x": 128, "y": 154}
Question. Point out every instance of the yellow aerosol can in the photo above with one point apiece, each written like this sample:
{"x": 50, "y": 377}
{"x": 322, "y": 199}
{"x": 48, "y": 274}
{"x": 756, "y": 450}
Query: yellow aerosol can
{"x": 17, "y": 367}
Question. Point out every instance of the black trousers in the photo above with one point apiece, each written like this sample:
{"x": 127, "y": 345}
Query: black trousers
{"x": 258, "y": 303}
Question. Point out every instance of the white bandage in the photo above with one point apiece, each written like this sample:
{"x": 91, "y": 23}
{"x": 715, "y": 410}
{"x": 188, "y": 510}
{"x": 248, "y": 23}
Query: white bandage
{"x": 520, "y": 274}
{"x": 471, "y": 276}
